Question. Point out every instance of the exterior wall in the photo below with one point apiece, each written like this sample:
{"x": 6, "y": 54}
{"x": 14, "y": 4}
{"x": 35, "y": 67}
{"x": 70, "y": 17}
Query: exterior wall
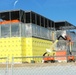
{"x": 10, "y": 47}
{"x": 18, "y": 39}
{"x": 18, "y": 47}
{"x": 35, "y": 47}
{"x": 23, "y": 46}
{"x": 39, "y": 46}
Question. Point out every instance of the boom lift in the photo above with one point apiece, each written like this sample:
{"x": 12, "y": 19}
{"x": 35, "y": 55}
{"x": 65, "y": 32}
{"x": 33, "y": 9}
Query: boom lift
{"x": 47, "y": 58}
{"x": 70, "y": 57}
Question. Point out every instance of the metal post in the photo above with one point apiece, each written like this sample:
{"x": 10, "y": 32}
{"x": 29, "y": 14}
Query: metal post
{"x": 7, "y": 68}
{"x": 0, "y": 30}
{"x": 0, "y": 27}
{"x": 36, "y": 19}
{"x": 12, "y": 64}
{"x": 10, "y": 23}
{"x": 30, "y": 17}
{"x": 20, "y": 16}
{"x": 40, "y": 26}
{"x": 70, "y": 47}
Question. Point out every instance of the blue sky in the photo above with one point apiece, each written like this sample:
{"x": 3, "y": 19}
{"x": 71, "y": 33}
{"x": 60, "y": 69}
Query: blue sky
{"x": 57, "y": 10}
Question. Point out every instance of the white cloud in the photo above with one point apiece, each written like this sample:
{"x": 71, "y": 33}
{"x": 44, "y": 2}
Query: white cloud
{"x": 15, "y": 2}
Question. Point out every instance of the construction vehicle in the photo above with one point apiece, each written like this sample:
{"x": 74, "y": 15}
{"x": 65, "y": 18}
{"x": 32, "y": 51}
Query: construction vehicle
{"x": 46, "y": 56}
{"x": 70, "y": 57}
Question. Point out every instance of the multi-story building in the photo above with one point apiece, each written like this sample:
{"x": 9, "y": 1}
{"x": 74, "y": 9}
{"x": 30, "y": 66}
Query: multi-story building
{"x": 25, "y": 33}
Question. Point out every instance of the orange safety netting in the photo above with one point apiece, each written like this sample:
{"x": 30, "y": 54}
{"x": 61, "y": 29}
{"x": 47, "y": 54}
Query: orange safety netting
{"x": 9, "y": 21}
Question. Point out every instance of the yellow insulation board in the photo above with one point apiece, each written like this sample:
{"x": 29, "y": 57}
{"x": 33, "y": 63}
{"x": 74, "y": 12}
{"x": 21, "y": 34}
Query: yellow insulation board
{"x": 39, "y": 47}
{"x": 21, "y": 47}
{"x": 10, "y": 47}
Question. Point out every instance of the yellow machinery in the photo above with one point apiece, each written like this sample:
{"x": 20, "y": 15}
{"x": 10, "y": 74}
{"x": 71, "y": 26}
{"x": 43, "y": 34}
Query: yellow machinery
{"x": 49, "y": 54}
{"x": 70, "y": 57}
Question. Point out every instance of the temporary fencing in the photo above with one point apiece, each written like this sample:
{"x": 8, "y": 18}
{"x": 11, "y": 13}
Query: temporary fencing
{"x": 35, "y": 65}
{"x": 3, "y": 66}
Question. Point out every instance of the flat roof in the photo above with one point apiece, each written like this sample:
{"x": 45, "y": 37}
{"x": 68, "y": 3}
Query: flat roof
{"x": 19, "y": 10}
{"x": 64, "y": 25}
{"x": 28, "y": 16}
{"x": 15, "y": 14}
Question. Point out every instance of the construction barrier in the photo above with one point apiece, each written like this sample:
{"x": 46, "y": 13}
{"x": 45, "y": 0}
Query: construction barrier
{"x": 40, "y": 68}
{"x": 36, "y": 66}
{"x": 4, "y": 66}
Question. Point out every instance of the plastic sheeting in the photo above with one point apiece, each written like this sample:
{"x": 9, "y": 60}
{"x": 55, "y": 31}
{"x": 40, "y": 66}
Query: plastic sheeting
{"x": 15, "y": 30}
{"x": 28, "y": 30}
{"x": 24, "y": 30}
{"x": 62, "y": 45}
{"x": 5, "y": 30}
{"x": 41, "y": 32}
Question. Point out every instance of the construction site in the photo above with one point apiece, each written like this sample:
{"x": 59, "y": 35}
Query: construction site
{"x": 28, "y": 34}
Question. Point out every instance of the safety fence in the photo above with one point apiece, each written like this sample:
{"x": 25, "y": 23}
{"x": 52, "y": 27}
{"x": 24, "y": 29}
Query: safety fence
{"x": 3, "y": 66}
{"x": 35, "y": 65}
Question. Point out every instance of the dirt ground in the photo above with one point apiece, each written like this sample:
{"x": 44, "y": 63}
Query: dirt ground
{"x": 36, "y": 64}
{"x": 43, "y": 64}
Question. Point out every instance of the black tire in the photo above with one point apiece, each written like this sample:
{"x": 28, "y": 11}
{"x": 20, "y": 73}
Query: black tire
{"x": 67, "y": 61}
{"x": 73, "y": 60}
{"x": 52, "y": 61}
{"x": 45, "y": 61}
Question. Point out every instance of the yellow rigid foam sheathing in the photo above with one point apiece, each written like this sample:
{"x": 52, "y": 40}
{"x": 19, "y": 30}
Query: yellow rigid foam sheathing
{"x": 23, "y": 47}
{"x": 23, "y": 44}
{"x": 23, "y": 50}
{"x": 39, "y": 47}
{"x": 28, "y": 49}
{"x": 10, "y": 47}
{"x": 34, "y": 47}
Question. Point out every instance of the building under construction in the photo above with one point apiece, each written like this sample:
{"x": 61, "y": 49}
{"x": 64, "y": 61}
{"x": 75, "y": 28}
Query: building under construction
{"x": 26, "y": 33}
